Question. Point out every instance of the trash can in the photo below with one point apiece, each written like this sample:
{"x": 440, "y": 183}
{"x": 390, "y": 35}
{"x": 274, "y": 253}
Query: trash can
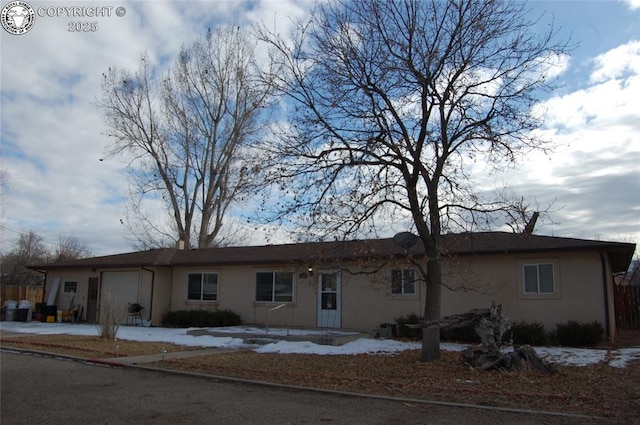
{"x": 23, "y": 313}
{"x": 10, "y": 308}
{"x": 50, "y": 313}
{"x": 39, "y": 312}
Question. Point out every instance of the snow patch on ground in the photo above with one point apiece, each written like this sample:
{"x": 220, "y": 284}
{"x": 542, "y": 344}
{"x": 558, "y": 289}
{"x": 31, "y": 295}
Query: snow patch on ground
{"x": 557, "y": 355}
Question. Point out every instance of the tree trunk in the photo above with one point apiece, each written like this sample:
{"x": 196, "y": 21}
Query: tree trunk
{"x": 431, "y": 335}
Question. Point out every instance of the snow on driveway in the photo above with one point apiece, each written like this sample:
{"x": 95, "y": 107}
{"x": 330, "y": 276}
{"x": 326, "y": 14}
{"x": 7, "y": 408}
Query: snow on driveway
{"x": 558, "y": 355}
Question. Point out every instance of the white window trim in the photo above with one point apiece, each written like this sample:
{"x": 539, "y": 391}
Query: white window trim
{"x": 403, "y": 282}
{"x": 273, "y": 286}
{"x": 201, "y": 273}
{"x": 557, "y": 285}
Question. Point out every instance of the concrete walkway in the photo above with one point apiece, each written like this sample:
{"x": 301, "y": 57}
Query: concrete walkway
{"x": 327, "y": 336}
{"x": 151, "y": 358}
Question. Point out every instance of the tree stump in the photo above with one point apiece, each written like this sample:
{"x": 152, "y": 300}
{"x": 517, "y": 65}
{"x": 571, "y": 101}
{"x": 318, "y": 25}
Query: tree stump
{"x": 521, "y": 357}
{"x": 491, "y": 325}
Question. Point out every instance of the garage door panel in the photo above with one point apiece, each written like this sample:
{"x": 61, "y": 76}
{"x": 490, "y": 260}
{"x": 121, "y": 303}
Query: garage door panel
{"x": 120, "y": 288}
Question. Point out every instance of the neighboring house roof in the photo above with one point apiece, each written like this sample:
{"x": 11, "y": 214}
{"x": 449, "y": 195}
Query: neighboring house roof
{"x": 631, "y": 276}
{"x": 487, "y": 243}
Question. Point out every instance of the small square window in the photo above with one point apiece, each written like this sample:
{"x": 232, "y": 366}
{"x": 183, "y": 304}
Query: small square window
{"x": 538, "y": 278}
{"x": 71, "y": 287}
{"x": 403, "y": 282}
{"x": 202, "y": 286}
{"x": 274, "y": 286}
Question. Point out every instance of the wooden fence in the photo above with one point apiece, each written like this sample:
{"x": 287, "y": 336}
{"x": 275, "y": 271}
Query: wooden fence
{"x": 627, "y": 304}
{"x": 31, "y": 293}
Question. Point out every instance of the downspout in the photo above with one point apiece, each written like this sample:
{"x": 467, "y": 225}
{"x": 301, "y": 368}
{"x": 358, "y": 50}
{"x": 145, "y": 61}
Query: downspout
{"x": 605, "y": 288}
{"x": 99, "y": 303}
{"x": 153, "y": 280}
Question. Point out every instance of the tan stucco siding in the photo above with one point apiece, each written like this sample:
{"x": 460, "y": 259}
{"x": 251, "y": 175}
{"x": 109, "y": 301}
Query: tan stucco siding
{"x": 578, "y": 291}
{"x": 65, "y": 299}
{"x": 366, "y": 301}
{"x": 141, "y": 282}
{"x": 161, "y": 294}
{"x": 236, "y": 292}
{"x": 144, "y": 293}
{"x": 153, "y": 289}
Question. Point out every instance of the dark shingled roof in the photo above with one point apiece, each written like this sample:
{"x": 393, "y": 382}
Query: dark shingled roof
{"x": 487, "y": 243}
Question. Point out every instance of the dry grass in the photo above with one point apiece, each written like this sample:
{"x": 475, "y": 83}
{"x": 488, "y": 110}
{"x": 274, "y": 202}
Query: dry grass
{"x": 595, "y": 390}
{"x": 87, "y": 346}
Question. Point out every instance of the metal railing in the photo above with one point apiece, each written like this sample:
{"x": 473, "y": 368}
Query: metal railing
{"x": 267, "y": 321}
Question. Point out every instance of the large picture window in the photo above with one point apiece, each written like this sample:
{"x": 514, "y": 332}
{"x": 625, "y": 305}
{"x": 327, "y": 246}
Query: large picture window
{"x": 538, "y": 278}
{"x": 403, "y": 282}
{"x": 203, "y": 287}
{"x": 274, "y": 286}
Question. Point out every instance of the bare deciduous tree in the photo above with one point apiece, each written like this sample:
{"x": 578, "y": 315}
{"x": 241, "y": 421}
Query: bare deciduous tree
{"x": 29, "y": 249}
{"x": 396, "y": 106}
{"x": 70, "y": 248}
{"x": 110, "y": 317}
{"x": 188, "y": 136}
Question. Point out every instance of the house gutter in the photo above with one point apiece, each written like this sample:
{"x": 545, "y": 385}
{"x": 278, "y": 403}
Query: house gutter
{"x": 605, "y": 288}
{"x": 153, "y": 281}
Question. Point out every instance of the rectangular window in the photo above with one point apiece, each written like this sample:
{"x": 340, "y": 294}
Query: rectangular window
{"x": 403, "y": 282}
{"x": 538, "y": 279}
{"x": 71, "y": 287}
{"x": 274, "y": 286}
{"x": 202, "y": 286}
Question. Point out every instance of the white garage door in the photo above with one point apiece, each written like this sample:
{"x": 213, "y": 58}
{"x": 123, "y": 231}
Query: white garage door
{"x": 120, "y": 288}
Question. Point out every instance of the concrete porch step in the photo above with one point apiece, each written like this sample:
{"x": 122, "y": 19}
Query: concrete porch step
{"x": 267, "y": 336}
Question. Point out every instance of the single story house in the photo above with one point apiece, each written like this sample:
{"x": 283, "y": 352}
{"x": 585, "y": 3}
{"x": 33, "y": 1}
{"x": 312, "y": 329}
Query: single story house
{"x": 353, "y": 284}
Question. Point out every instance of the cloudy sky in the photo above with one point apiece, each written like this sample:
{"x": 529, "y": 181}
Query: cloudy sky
{"x": 54, "y": 183}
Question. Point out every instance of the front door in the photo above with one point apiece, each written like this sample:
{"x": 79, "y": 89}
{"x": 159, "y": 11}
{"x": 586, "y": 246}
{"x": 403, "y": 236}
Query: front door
{"x": 329, "y": 300}
{"x": 92, "y": 302}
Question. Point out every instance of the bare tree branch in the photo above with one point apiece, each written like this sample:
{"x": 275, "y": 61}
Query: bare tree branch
{"x": 189, "y": 135}
{"x": 392, "y": 104}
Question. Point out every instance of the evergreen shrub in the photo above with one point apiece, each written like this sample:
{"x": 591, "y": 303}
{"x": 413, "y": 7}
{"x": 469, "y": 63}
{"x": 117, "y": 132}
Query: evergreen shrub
{"x": 528, "y": 333}
{"x": 577, "y": 334}
{"x": 200, "y": 318}
{"x": 404, "y": 331}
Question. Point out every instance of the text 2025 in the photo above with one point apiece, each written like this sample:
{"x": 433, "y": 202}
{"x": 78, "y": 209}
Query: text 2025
{"x": 83, "y": 26}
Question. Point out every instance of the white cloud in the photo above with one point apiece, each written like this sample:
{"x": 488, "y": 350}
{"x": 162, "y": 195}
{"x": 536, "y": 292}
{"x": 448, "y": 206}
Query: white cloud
{"x": 633, "y": 4}
{"x": 594, "y": 172}
{"x": 52, "y": 133}
{"x": 617, "y": 63}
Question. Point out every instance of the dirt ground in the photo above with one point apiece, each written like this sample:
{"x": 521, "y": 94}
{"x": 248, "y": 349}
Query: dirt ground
{"x": 597, "y": 390}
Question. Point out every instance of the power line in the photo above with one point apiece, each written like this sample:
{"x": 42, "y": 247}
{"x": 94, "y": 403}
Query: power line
{"x": 57, "y": 245}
